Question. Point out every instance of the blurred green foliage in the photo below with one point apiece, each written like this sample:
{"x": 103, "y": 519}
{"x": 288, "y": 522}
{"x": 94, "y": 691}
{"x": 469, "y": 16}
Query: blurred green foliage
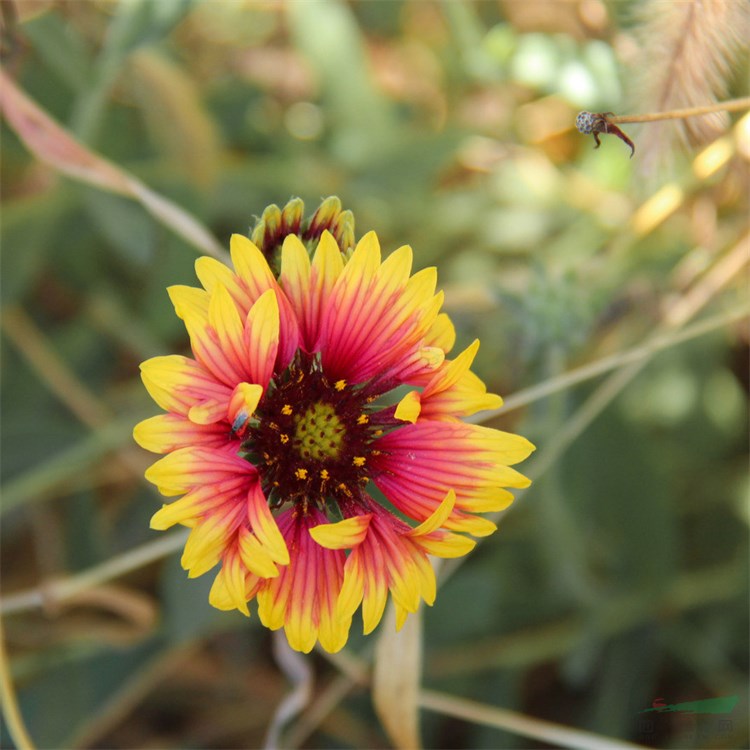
{"x": 620, "y": 576}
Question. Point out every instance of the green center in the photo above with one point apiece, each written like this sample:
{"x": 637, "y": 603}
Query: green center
{"x": 319, "y": 433}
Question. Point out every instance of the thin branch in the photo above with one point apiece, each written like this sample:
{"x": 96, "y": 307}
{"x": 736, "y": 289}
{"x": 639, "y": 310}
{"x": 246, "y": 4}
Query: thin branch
{"x": 39, "y": 354}
{"x": 36, "y": 349}
{"x": 520, "y": 724}
{"x": 324, "y": 704}
{"x": 67, "y": 468}
{"x": 298, "y": 670}
{"x": 601, "y": 366}
{"x": 732, "y": 105}
{"x": 674, "y": 317}
{"x": 130, "y": 694}
{"x": 52, "y": 592}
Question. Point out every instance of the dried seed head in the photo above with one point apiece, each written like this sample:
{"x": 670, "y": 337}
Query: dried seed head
{"x": 585, "y": 122}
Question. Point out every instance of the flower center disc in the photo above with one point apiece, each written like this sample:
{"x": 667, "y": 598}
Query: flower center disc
{"x": 319, "y": 433}
{"x": 311, "y": 439}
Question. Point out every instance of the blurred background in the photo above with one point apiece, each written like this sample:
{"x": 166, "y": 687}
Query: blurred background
{"x": 619, "y": 579}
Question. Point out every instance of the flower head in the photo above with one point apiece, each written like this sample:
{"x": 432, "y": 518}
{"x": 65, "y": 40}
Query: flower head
{"x": 301, "y": 473}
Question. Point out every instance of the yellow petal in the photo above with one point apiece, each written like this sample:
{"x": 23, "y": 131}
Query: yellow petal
{"x": 295, "y": 270}
{"x": 255, "y": 556}
{"x": 403, "y": 583}
{"x": 446, "y": 544}
{"x": 352, "y": 589}
{"x": 189, "y": 301}
{"x": 272, "y": 600}
{"x": 232, "y": 575}
{"x": 365, "y": 260}
{"x": 169, "y": 378}
{"x": 420, "y": 288}
{"x": 174, "y": 474}
{"x": 342, "y": 535}
{"x": 212, "y": 272}
{"x": 221, "y": 598}
{"x": 401, "y": 615}
{"x": 473, "y": 525}
{"x": 264, "y": 526}
{"x": 327, "y": 263}
{"x": 204, "y": 546}
{"x": 487, "y": 500}
{"x": 395, "y": 269}
{"x": 452, "y": 373}
{"x": 441, "y": 333}
{"x": 301, "y": 627}
{"x": 263, "y": 324}
{"x": 431, "y": 357}
{"x": 376, "y": 591}
{"x": 185, "y": 509}
{"x": 243, "y": 404}
{"x": 207, "y": 412}
{"x": 224, "y": 318}
{"x": 167, "y": 432}
{"x": 250, "y": 265}
{"x": 437, "y": 518}
{"x": 409, "y": 407}
{"x": 333, "y": 633}
{"x": 426, "y": 577}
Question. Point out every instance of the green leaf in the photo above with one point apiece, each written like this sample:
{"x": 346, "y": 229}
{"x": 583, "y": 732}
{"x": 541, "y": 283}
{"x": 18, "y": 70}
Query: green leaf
{"x": 27, "y": 238}
{"x": 623, "y": 504}
{"x": 59, "y": 701}
{"x": 187, "y": 613}
{"x": 136, "y": 22}
{"x": 326, "y": 32}
{"x": 124, "y": 223}
{"x": 175, "y": 115}
{"x": 63, "y": 49}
